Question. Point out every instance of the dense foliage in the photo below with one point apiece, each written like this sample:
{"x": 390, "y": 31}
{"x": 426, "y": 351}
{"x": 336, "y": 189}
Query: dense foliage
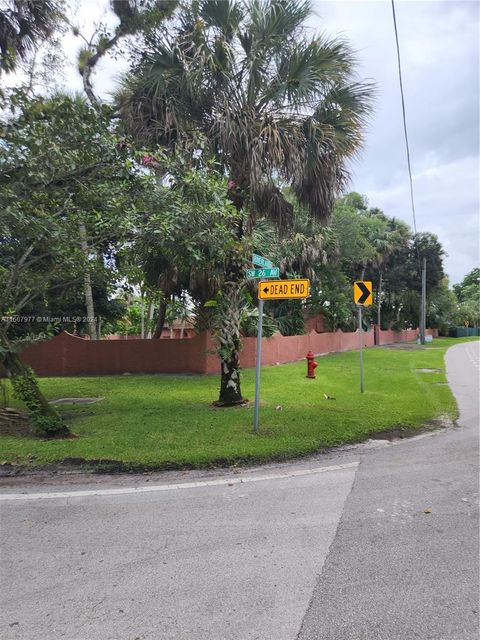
{"x": 63, "y": 171}
{"x": 230, "y": 135}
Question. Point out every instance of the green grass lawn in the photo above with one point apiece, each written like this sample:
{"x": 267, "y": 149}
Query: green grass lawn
{"x": 156, "y": 422}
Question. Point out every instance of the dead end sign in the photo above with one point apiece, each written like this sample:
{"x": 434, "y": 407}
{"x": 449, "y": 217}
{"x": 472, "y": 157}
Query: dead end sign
{"x": 283, "y": 289}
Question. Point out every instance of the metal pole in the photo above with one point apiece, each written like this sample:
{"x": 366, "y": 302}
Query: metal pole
{"x": 361, "y": 345}
{"x": 257, "y": 365}
{"x": 423, "y": 305}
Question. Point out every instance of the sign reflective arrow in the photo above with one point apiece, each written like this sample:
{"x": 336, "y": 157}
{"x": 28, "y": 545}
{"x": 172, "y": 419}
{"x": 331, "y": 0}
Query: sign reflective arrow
{"x": 362, "y": 292}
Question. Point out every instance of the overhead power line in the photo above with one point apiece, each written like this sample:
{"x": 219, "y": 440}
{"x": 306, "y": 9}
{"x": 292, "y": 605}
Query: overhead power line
{"x": 422, "y": 315}
{"x": 404, "y": 119}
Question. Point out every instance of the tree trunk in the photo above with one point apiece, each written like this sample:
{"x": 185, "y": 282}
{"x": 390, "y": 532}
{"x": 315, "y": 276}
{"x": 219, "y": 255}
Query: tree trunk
{"x": 92, "y": 329}
{"x": 142, "y": 316}
{"x": 46, "y": 420}
{"x": 160, "y": 319}
{"x": 229, "y": 342}
{"x": 150, "y": 312}
{"x": 379, "y": 301}
{"x": 229, "y": 345}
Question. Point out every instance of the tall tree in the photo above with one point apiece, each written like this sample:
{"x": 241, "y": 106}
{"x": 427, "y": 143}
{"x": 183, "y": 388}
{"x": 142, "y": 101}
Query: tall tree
{"x": 59, "y": 164}
{"x": 468, "y": 296}
{"x": 23, "y": 25}
{"x": 274, "y": 105}
{"x": 134, "y": 17}
{"x": 184, "y": 243}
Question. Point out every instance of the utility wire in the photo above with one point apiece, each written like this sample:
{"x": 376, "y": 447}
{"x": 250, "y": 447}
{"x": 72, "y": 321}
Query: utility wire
{"x": 404, "y": 120}
{"x": 423, "y": 270}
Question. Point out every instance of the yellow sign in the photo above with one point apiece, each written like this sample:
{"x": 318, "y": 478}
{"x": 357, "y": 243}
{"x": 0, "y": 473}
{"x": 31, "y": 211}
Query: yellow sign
{"x": 283, "y": 289}
{"x": 362, "y": 292}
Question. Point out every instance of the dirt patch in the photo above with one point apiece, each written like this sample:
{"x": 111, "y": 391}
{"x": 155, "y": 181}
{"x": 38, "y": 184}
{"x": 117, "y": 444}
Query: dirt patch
{"x": 409, "y": 432}
{"x": 429, "y": 370}
{"x": 221, "y": 405}
{"x": 14, "y": 423}
{"x": 76, "y": 400}
{"x": 104, "y": 465}
{"x": 17, "y": 423}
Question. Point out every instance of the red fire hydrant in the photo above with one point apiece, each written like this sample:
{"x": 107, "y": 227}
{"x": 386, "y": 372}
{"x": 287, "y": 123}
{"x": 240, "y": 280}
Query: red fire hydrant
{"x": 311, "y": 365}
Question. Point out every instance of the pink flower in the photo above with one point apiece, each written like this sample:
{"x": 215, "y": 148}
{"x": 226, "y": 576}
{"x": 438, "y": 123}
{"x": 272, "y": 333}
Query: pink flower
{"x": 231, "y": 184}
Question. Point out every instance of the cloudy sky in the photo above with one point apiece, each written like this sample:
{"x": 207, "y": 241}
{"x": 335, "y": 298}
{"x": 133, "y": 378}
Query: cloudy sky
{"x": 439, "y": 47}
{"x": 439, "y": 43}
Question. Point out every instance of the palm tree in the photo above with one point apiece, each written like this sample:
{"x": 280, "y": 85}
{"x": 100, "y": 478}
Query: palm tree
{"x": 23, "y": 25}
{"x": 278, "y": 108}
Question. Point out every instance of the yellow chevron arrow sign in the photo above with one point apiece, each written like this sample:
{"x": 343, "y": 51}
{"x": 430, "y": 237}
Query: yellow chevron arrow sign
{"x": 362, "y": 292}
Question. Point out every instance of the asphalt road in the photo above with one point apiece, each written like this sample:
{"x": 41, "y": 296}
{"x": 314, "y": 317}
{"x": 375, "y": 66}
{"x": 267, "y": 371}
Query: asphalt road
{"x": 394, "y": 571}
{"x": 338, "y": 546}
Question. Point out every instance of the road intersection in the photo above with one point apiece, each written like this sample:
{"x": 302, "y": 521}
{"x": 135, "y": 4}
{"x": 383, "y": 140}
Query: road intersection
{"x": 377, "y": 542}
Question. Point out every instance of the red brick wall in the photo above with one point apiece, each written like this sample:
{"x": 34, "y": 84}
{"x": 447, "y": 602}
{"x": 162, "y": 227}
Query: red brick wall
{"x": 317, "y": 323}
{"x": 408, "y": 335}
{"x": 281, "y": 349}
{"x": 68, "y": 355}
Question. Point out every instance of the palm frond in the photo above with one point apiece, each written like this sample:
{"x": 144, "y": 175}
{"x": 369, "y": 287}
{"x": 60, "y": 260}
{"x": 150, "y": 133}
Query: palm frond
{"x": 224, "y": 15}
{"x": 274, "y": 106}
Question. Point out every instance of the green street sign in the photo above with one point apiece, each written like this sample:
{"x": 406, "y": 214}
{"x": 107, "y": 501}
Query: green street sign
{"x": 260, "y": 261}
{"x": 274, "y": 272}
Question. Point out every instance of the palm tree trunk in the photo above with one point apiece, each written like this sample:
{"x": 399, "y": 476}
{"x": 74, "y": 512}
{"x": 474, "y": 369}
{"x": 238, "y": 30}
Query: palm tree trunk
{"x": 87, "y": 282}
{"x": 229, "y": 345}
{"x": 160, "y": 318}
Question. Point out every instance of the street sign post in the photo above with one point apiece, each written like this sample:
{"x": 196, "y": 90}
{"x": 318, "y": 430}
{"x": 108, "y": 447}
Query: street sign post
{"x": 273, "y": 290}
{"x": 283, "y": 289}
{"x": 360, "y": 330}
{"x": 260, "y": 261}
{"x": 274, "y": 272}
{"x": 258, "y": 363}
{"x": 362, "y": 296}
